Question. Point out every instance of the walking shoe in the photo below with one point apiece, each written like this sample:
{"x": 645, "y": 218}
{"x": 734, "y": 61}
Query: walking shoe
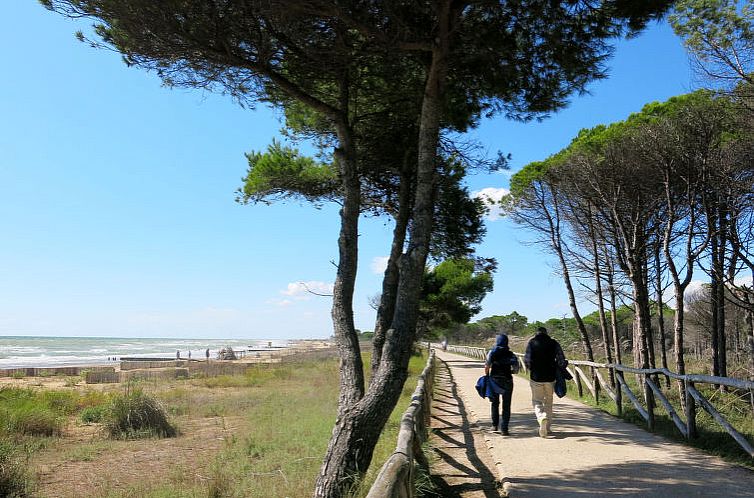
{"x": 505, "y": 432}
{"x": 543, "y": 427}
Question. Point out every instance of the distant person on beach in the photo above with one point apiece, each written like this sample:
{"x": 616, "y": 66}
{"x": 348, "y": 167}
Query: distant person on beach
{"x": 189, "y": 354}
{"x": 178, "y": 355}
{"x": 543, "y": 356}
{"x": 501, "y": 364}
{"x": 206, "y": 353}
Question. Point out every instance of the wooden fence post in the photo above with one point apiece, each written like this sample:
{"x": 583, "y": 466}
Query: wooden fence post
{"x": 649, "y": 397}
{"x": 596, "y": 383}
{"x": 619, "y": 394}
{"x": 579, "y": 389}
{"x": 691, "y": 432}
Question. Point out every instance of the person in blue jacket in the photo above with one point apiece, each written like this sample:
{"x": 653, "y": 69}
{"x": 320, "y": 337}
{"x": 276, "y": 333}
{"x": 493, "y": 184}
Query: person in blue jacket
{"x": 501, "y": 364}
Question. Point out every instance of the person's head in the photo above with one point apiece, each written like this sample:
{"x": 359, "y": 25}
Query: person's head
{"x": 541, "y": 330}
{"x": 501, "y": 341}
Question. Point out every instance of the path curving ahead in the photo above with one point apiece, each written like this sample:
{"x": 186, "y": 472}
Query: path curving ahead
{"x": 589, "y": 454}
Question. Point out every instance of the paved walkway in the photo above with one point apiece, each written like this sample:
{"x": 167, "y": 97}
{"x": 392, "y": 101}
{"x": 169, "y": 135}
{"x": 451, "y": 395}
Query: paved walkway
{"x": 589, "y": 454}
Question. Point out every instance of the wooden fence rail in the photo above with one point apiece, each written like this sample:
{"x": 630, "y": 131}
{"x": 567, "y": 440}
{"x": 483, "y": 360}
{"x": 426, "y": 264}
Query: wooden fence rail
{"x": 651, "y": 392}
{"x": 396, "y": 478}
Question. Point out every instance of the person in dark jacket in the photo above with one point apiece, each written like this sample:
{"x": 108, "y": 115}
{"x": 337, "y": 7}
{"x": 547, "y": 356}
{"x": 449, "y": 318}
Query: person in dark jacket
{"x": 500, "y": 365}
{"x": 543, "y": 356}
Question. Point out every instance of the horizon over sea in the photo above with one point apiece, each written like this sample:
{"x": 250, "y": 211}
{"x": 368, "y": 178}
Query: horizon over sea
{"x": 47, "y": 351}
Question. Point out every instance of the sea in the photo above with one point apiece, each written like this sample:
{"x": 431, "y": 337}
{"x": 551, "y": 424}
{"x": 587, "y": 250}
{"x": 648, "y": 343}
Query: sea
{"x": 37, "y": 352}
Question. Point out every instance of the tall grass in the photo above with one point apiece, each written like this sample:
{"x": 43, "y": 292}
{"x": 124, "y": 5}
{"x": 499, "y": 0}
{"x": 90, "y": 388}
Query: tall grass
{"x": 134, "y": 414}
{"x": 15, "y": 481}
{"x": 712, "y": 437}
{"x": 27, "y": 412}
{"x": 289, "y": 412}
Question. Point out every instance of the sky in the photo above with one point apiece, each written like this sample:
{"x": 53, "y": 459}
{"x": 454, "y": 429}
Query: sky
{"x": 117, "y": 198}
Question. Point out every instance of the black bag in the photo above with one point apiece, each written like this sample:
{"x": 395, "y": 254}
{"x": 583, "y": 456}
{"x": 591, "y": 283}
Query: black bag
{"x": 560, "y": 381}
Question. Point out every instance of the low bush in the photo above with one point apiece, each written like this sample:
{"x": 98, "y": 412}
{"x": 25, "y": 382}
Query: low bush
{"x": 93, "y": 414}
{"x": 14, "y": 478}
{"x": 63, "y": 402}
{"x": 92, "y": 398}
{"x": 34, "y": 420}
{"x": 134, "y": 414}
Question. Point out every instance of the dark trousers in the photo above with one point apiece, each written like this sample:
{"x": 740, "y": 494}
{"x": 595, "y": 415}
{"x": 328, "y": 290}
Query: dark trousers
{"x": 495, "y": 407}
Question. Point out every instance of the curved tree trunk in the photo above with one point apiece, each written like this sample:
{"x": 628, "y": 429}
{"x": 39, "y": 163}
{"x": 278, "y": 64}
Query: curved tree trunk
{"x": 557, "y": 245}
{"x": 601, "y": 308}
{"x": 613, "y": 310}
{"x": 392, "y": 272}
{"x": 660, "y": 311}
{"x": 351, "y": 367}
{"x": 358, "y": 426}
{"x": 642, "y": 316}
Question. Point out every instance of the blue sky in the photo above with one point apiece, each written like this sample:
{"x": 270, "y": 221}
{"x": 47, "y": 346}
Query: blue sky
{"x": 117, "y": 207}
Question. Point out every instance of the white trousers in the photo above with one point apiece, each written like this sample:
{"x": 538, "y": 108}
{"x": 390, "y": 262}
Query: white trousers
{"x": 541, "y": 400}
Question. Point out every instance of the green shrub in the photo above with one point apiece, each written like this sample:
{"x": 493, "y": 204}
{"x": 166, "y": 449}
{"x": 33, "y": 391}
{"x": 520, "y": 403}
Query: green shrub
{"x": 93, "y": 414}
{"x": 92, "y": 398}
{"x": 31, "y": 413}
{"x": 30, "y": 418}
{"x": 134, "y": 414}
{"x": 14, "y": 478}
{"x": 63, "y": 402}
{"x": 33, "y": 420}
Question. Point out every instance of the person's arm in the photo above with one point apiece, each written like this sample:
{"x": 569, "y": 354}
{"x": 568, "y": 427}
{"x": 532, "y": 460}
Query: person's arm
{"x": 560, "y": 358}
{"x": 488, "y": 363}
{"x": 527, "y": 356}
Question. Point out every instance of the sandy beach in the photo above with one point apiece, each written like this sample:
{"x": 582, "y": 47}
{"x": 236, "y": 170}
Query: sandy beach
{"x": 211, "y": 406}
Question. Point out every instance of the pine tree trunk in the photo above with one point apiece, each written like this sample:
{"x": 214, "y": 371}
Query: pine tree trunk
{"x": 613, "y": 313}
{"x": 641, "y": 311}
{"x": 392, "y": 272}
{"x": 557, "y": 244}
{"x": 601, "y": 303}
{"x": 660, "y": 312}
{"x": 358, "y": 425}
{"x": 351, "y": 366}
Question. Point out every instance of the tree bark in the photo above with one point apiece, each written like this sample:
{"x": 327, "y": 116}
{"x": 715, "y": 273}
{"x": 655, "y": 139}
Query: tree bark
{"x": 351, "y": 366}
{"x": 392, "y": 272}
{"x": 557, "y": 245}
{"x": 720, "y": 272}
{"x": 660, "y": 311}
{"x": 613, "y": 311}
{"x": 357, "y": 428}
{"x": 641, "y": 309}
{"x": 600, "y": 298}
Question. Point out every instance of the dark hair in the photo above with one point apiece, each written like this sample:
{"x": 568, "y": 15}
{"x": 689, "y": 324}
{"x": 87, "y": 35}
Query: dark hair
{"x": 542, "y": 330}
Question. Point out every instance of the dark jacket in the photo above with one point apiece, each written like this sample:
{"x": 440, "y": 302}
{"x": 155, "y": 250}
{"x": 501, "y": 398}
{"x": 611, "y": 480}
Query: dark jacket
{"x": 487, "y": 387}
{"x": 543, "y": 354}
{"x": 501, "y": 359}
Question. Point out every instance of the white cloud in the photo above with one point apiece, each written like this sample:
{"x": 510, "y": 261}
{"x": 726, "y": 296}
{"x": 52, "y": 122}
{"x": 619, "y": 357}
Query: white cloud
{"x": 491, "y": 197}
{"x": 280, "y": 302}
{"x": 305, "y": 290}
{"x": 379, "y": 264}
{"x": 694, "y": 286}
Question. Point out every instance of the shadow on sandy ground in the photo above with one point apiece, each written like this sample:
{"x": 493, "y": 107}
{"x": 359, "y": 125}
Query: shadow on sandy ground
{"x": 459, "y": 471}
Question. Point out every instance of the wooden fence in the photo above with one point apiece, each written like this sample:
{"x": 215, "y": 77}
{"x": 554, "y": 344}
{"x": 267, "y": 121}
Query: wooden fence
{"x": 651, "y": 392}
{"x": 396, "y": 478}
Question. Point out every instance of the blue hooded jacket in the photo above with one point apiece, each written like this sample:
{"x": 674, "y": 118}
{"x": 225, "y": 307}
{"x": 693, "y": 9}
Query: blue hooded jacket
{"x": 501, "y": 341}
{"x": 486, "y": 387}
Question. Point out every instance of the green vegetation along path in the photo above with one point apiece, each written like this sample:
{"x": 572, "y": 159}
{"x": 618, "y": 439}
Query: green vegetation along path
{"x": 590, "y": 453}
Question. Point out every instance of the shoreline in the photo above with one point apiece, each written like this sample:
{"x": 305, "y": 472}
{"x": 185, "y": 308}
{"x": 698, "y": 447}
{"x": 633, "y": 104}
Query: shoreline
{"x": 28, "y": 352}
{"x": 112, "y": 368}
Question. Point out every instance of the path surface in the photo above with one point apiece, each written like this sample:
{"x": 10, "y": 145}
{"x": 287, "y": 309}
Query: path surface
{"x": 589, "y": 454}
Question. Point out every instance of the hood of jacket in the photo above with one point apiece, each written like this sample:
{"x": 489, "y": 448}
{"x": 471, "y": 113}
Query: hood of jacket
{"x": 501, "y": 341}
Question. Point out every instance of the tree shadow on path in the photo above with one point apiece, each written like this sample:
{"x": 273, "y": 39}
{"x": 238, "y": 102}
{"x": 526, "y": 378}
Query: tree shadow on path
{"x": 459, "y": 471}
